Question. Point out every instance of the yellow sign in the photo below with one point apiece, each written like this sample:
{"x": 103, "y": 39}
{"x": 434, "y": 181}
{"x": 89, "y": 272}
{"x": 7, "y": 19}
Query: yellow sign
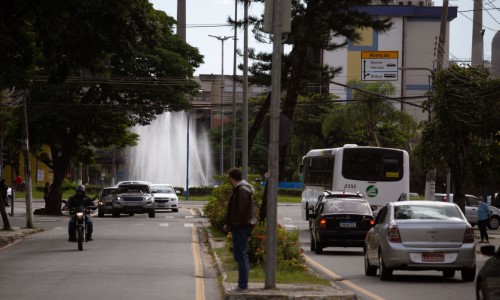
{"x": 379, "y": 54}
{"x": 392, "y": 174}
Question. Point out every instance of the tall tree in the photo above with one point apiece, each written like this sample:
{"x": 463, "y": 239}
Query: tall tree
{"x": 316, "y": 25}
{"x": 465, "y": 112}
{"x": 372, "y": 110}
{"x": 103, "y": 68}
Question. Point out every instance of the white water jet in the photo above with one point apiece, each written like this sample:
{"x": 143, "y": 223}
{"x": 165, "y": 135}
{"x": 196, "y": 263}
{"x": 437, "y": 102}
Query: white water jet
{"x": 160, "y": 155}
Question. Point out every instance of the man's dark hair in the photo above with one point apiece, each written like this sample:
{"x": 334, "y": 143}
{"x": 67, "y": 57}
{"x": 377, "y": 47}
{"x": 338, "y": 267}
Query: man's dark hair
{"x": 235, "y": 174}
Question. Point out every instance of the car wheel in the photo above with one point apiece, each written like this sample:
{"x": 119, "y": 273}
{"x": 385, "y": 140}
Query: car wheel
{"x": 481, "y": 290}
{"x": 175, "y": 209}
{"x": 469, "y": 274}
{"x": 100, "y": 213}
{"x": 152, "y": 214}
{"x": 494, "y": 223}
{"x": 369, "y": 269}
{"x": 318, "y": 248}
{"x": 448, "y": 273}
{"x": 131, "y": 214}
{"x": 384, "y": 273}
{"x": 313, "y": 246}
{"x": 116, "y": 214}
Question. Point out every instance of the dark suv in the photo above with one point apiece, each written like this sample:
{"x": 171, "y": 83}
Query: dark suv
{"x": 340, "y": 219}
{"x": 131, "y": 198}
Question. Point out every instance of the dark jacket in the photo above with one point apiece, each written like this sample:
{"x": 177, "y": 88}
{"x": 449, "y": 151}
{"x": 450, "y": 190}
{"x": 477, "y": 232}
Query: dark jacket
{"x": 241, "y": 209}
{"x": 79, "y": 202}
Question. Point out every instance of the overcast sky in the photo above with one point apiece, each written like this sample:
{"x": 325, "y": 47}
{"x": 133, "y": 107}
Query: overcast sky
{"x": 209, "y": 17}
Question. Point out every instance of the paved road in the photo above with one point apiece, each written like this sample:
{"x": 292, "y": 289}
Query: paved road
{"x": 130, "y": 258}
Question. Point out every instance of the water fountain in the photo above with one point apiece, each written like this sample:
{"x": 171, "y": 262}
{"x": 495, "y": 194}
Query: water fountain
{"x": 160, "y": 156}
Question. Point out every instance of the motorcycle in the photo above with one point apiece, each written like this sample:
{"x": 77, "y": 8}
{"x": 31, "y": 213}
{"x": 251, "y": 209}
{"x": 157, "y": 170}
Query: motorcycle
{"x": 81, "y": 224}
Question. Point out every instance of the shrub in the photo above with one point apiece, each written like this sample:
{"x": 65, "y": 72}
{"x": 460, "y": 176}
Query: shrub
{"x": 216, "y": 207}
{"x": 289, "y": 254}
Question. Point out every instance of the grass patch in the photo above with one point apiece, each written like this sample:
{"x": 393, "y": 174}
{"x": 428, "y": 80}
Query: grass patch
{"x": 257, "y": 273}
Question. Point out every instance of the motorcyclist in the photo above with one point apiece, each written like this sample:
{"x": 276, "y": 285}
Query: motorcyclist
{"x": 78, "y": 202}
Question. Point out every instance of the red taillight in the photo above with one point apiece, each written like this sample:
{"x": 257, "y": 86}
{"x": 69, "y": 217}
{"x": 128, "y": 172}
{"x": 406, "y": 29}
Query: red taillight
{"x": 372, "y": 222}
{"x": 469, "y": 235}
{"x": 322, "y": 224}
{"x": 394, "y": 236}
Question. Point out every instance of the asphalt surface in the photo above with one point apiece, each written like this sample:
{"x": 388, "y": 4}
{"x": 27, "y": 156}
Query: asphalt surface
{"x": 256, "y": 290}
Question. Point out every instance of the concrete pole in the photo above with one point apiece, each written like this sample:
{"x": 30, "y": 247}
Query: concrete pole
{"x": 233, "y": 138}
{"x": 273, "y": 158}
{"x": 181, "y": 19}
{"x": 244, "y": 138}
{"x": 477, "y": 38}
{"x": 27, "y": 167}
{"x": 430, "y": 181}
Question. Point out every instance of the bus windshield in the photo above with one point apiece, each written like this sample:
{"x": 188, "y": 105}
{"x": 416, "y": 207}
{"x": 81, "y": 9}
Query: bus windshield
{"x": 360, "y": 164}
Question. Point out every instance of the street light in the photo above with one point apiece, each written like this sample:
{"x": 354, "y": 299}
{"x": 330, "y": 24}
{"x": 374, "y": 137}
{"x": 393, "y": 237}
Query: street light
{"x": 222, "y": 39}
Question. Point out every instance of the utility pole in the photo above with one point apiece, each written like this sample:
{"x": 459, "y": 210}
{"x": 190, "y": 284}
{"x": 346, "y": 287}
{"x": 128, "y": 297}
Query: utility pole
{"x": 477, "y": 38}
{"x": 244, "y": 138}
{"x": 233, "y": 132}
{"x": 430, "y": 182}
{"x": 221, "y": 166}
{"x": 27, "y": 166}
{"x": 181, "y": 19}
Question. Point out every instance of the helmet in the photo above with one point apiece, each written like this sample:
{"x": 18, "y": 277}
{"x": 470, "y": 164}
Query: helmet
{"x": 80, "y": 188}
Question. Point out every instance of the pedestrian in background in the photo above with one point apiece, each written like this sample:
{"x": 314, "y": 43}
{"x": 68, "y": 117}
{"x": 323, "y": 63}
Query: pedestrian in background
{"x": 240, "y": 220}
{"x": 483, "y": 216}
{"x": 46, "y": 191}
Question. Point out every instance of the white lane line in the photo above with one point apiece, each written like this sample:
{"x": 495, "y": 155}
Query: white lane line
{"x": 290, "y": 227}
{"x": 188, "y": 217}
{"x": 287, "y": 219}
{"x": 188, "y": 225}
{"x": 58, "y": 228}
{"x": 163, "y": 224}
{"x": 169, "y": 217}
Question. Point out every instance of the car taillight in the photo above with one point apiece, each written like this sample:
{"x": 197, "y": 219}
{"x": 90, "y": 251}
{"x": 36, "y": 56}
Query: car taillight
{"x": 322, "y": 224}
{"x": 469, "y": 235}
{"x": 394, "y": 236}
{"x": 372, "y": 221}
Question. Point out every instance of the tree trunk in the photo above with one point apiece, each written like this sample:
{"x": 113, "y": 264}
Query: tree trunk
{"x": 61, "y": 160}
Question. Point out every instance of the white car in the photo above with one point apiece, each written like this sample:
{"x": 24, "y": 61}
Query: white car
{"x": 165, "y": 197}
{"x": 471, "y": 205}
{"x": 9, "y": 196}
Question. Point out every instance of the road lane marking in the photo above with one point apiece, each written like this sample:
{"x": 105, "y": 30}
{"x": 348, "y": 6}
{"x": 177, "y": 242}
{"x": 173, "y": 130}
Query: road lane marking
{"x": 163, "y": 224}
{"x": 198, "y": 270}
{"x": 188, "y": 217}
{"x": 287, "y": 219}
{"x": 188, "y": 225}
{"x": 336, "y": 277}
{"x": 169, "y": 217}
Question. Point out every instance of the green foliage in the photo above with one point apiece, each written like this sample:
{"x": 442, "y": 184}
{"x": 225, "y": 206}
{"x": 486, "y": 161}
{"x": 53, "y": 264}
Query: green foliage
{"x": 463, "y": 131}
{"x": 372, "y": 114}
{"x": 289, "y": 255}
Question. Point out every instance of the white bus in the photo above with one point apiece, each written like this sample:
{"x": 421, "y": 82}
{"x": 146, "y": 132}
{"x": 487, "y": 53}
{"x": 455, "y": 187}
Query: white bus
{"x": 381, "y": 174}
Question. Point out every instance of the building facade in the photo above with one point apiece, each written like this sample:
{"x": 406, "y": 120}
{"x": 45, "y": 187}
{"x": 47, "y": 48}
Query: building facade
{"x": 406, "y": 55}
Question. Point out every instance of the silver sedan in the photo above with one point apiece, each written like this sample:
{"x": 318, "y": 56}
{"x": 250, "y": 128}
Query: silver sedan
{"x": 420, "y": 235}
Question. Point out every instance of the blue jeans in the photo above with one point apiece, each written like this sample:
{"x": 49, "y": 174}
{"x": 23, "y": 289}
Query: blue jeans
{"x": 240, "y": 245}
{"x": 72, "y": 226}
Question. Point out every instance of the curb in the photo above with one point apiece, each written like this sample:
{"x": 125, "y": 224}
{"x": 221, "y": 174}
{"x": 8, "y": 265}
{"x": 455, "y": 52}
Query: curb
{"x": 281, "y": 291}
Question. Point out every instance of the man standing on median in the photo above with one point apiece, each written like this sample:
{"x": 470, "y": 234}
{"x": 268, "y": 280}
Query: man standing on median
{"x": 240, "y": 220}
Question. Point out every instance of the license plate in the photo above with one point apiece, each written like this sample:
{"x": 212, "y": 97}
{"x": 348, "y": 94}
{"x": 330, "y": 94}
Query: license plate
{"x": 348, "y": 224}
{"x": 432, "y": 257}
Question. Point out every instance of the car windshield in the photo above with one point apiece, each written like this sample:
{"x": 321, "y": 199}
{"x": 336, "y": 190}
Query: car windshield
{"x": 133, "y": 188}
{"x": 347, "y": 207}
{"x": 107, "y": 192}
{"x": 163, "y": 189}
{"x": 426, "y": 212}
